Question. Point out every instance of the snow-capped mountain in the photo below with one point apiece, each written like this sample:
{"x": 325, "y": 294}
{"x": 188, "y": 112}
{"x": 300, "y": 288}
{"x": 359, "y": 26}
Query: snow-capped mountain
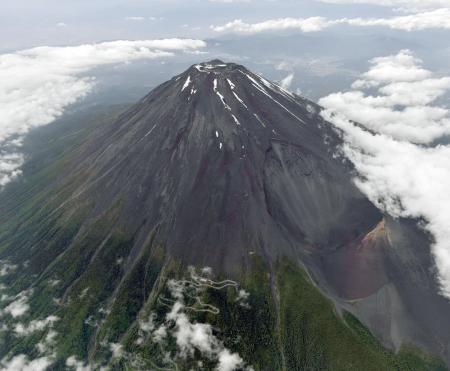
{"x": 224, "y": 171}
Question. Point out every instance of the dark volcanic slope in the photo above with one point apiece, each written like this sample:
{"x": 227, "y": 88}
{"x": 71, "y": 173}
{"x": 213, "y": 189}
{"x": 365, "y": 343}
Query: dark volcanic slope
{"x": 214, "y": 168}
{"x": 221, "y": 162}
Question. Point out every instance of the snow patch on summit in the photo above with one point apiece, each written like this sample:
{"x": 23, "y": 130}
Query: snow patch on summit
{"x": 232, "y": 86}
{"x": 208, "y": 67}
{"x": 236, "y": 120}
{"x": 222, "y": 99}
{"x": 240, "y": 100}
{"x": 258, "y": 86}
{"x": 187, "y": 83}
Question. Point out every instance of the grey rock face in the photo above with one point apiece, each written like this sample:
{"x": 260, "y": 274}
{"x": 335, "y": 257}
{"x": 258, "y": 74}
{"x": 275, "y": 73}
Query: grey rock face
{"x": 224, "y": 162}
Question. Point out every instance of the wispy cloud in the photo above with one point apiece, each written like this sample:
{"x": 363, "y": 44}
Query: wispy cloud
{"x": 287, "y": 81}
{"x": 135, "y": 18}
{"x": 191, "y": 337}
{"x": 22, "y": 363}
{"x": 39, "y": 83}
{"x": 401, "y": 177}
{"x": 432, "y": 19}
{"x": 19, "y": 306}
{"x": 36, "y": 325}
{"x": 5, "y": 266}
{"x": 413, "y": 5}
{"x": 195, "y": 336}
{"x": 312, "y": 24}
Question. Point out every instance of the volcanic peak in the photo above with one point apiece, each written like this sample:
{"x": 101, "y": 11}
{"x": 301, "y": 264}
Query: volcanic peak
{"x": 216, "y": 66}
{"x": 232, "y": 82}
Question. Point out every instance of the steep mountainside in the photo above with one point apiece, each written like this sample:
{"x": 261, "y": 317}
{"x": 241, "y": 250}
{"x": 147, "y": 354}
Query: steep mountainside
{"x": 226, "y": 172}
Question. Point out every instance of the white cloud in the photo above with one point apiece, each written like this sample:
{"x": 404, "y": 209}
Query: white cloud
{"x": 402, "y": 106}
{"x": 61, "y": 24}
{"x": 46, "y": 345}
{"x": 160, "y": 334}
{"x": 38, "y": 84}
{"x": 206, "y": 271}
{"x": 242, "y": 298}
{"x": 287, "y": 81}
{"x": 439, "y": 18}
{"x": 432, "y": 19}
{"x": 190, "y": 337}
{"x": 36, "y": 325}
{"x": 10, "y": 164}
{"x": 116, "y": 350}
{"x": 312, "y": 24}
{"x": 406, "y": 4}
{"x": 19, "y": 306}
{"x": 6, "y": 267}
{"x": 74, "y": 363}
{"x": 243, "y": 295}
{"x": 229, "y": 361}
{"x": 149, "y": 325}
{"x": 22, "y": 363}
{"x": 401, "y": 177}
{"x": 134, "y": 18}
{"x": 395, "y": 68}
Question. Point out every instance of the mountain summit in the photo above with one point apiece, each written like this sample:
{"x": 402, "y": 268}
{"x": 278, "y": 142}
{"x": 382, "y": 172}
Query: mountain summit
{"x": 224, "y": 171}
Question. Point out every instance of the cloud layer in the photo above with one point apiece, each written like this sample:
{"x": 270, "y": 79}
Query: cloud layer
{"x": 38, "y": 84}
{"x": 403, "y": 4}
{"x": 399, "y": 176}
{"x": 287, "y": 81}
{"x": 402, "y": 104}
{"x": 312, "y": 24}
{"x": 431, "y": 19}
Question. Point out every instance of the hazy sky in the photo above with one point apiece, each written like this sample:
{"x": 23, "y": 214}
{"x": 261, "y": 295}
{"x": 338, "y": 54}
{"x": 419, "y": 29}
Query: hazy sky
{"x": 26, "y": 23}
